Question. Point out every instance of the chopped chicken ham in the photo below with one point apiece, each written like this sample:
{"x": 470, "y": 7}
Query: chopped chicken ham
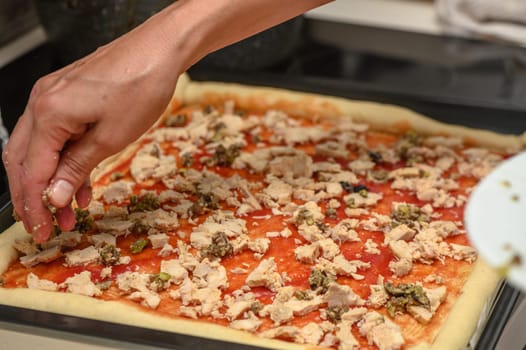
{"x": 380, "y": 331}
{"x": 378, "y": 296}
{"x": 297, "y": 165}
{"x": 158, "y": 240}
{"x": 33, "y": 282}
{"x": 81, "y": 283}
{"x": 436, "y": 296}
{"x": 307, "y": 253}
{"x": 101, "y": 239}
{"x": 265, "y": 275}
{"x": 344, "y": 231}
{"x": 210, "y": 274}
{"x": 400, "y": 232}
{"x": 342, "y": 296}
{"x": 82, "y": 256}
{"x": 250, "y": 324}
{"x": 137, "y": 286}
{"x": 288, "y": 332}
{"x": 279, "y": 191}
{"x": 65, "y": 239}
{"x": 345, "y": 336}
{"x": 312, "y": 333}
{"x": 206, "y": 300}
{"x": 329, "y": 249}
{"x": 175, "y": 269}
{"x": 118, "y": 192}
{"x": 44, "y": 256}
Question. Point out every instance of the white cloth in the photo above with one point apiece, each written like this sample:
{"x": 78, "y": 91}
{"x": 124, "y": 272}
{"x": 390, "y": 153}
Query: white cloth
{"x": 491, "y": 19}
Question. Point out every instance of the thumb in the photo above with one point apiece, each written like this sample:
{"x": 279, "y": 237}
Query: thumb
{"x": 75, "y": 164}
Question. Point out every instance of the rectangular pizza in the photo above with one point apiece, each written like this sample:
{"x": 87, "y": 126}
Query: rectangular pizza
{"x": 275, "y": 219}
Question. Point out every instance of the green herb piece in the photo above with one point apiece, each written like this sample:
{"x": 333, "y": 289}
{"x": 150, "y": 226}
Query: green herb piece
{"x": 208, "y": 109}
{"x": 187, "y": 160}
{"x": 331, "y": 213}
{"x": 240, "y": 112}
{"x": 147, "y": 202}
{"x": 413, "y": 159}
{"x": 138, "y": 246}
{"x": 334, "y": 313}
{"x": 351, "y": 203}
{"x": 360, "y": 188}
{"x": 303, "y": 295}
{"x": 409, "y": 140}
{"x": 347, "y": 187}
{"x": 305, "y": 217}
{"x": 412, "y": 137}
{"x": 104, "y": 285}
{"x": 109, "y": 255}
{"x": 408, "y": 214}
{"x": 375, "y": 156}
{"x": 220, "y": 246}
{"x": 139, "y": 227}
{"x": 117, "y": 175}
{"x": 218, "y": 129}
{"x": 1, "y": 282}
{"x": 204, "y": 201}
{"x": 379, "y": 175}
{"x": 84, "y": 222}
{"x": 224, "y": 156}
{"x": 55, "y": 232}
{"x": 404, "y": 295}
{"x": 176, "y": 120}
{"x": 324, "y": 227}
{"x": 320, "y": 280}
{"x": 256, "y": 306}
{"x": 363, "y": 193}
{"x": 159, "y": 281}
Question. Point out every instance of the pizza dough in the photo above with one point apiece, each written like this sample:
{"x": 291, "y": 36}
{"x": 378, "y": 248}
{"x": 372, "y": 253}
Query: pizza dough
{"x": 463, "y": 317}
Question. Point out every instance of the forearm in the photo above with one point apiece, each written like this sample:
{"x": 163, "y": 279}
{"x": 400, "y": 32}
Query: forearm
{"x": 198, "y": 27}
{"x": 88, "y": 110}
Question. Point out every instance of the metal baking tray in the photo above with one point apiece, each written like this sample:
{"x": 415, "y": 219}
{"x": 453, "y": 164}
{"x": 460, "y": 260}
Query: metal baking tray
{"x": 459, "y": 111}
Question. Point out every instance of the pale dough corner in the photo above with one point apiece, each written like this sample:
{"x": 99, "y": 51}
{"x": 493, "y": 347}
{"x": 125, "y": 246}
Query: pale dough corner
{"x": 463, "y": 317}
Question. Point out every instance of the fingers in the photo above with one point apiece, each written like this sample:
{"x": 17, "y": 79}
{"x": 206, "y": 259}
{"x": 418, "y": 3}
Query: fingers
{"x": 65, "y": 218}
{"x": 75, "y": 165}
{"x": 83, "y": 195}
{"x": 38, "y": 216}
{"x": 39, "y": 166}
{"x": 48, "y": 134}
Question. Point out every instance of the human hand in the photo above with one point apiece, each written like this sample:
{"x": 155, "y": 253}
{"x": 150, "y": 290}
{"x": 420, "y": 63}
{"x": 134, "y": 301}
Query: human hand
{"x": 78, "y": 116}
{"x": 94, "y": 107}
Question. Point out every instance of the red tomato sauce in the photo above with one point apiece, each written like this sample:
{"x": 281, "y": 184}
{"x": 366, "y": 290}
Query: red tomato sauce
{"x": 282, "y": 249}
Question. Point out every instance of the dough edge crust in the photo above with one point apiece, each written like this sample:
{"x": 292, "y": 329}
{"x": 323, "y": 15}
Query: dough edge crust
{"x": 462, "y": 319}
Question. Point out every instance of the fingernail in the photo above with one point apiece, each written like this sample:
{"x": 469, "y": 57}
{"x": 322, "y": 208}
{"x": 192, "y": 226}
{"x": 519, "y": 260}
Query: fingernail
{"x": 61, "y": 193}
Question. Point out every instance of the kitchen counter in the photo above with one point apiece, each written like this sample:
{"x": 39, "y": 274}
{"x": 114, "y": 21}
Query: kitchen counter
{"x": 411, "y": 15}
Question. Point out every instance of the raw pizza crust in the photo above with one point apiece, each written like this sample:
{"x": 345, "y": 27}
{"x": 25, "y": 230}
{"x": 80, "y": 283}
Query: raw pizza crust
{"x": 462, "y": 319}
